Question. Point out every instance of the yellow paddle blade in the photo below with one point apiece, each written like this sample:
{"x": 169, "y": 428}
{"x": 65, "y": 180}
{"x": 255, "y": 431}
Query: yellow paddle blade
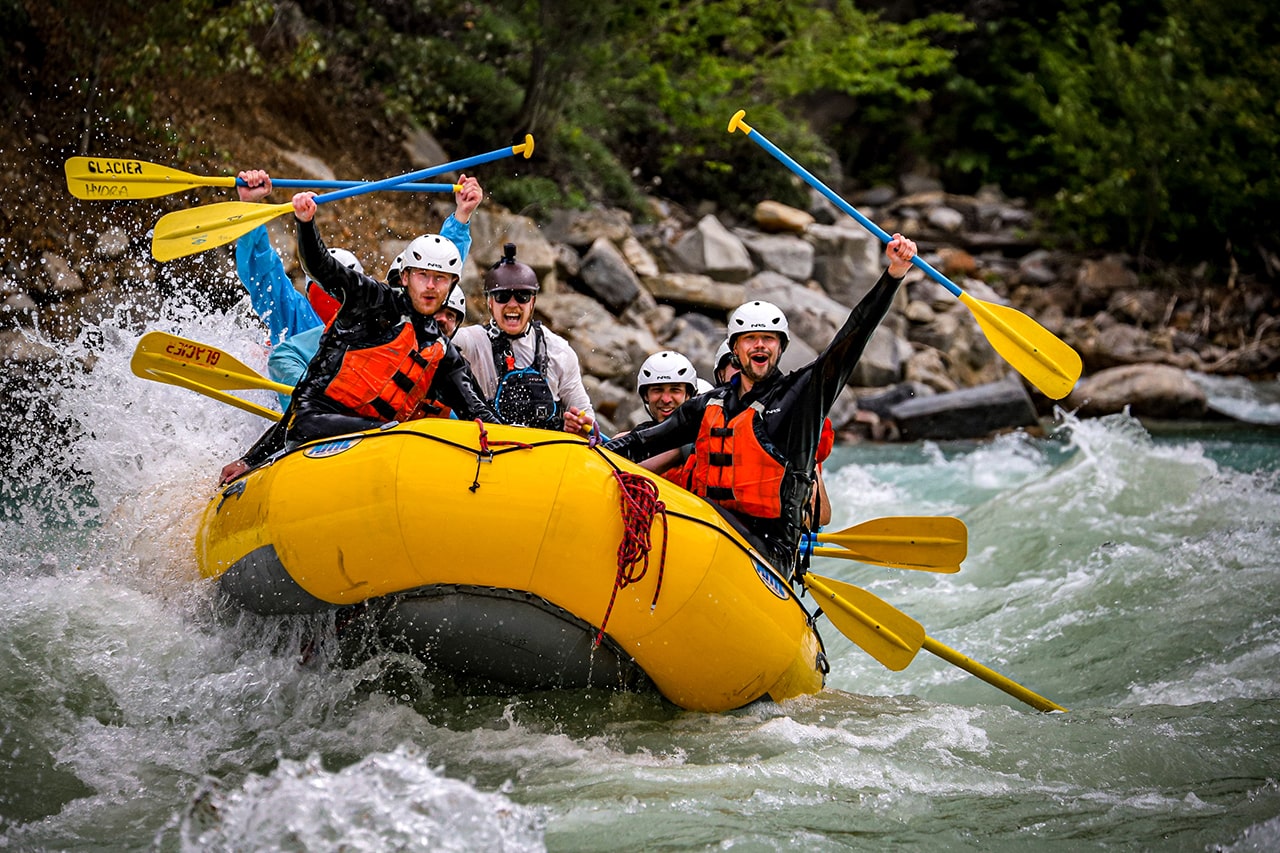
{"x": 881, "y": 630}
{"x": 105, "y": 178}
{"x": 842, "y": 554}
{"x": 182, "y": 382}
{"x": 1035, "y": 352}
{"x": 195, "y": 362}
{"x": 186, "y": 232}
{"x": 922, "y": 542}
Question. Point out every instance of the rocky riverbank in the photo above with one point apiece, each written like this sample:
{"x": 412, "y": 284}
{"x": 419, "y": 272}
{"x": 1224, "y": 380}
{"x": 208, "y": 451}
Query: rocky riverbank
{"x": 620, "y": 290}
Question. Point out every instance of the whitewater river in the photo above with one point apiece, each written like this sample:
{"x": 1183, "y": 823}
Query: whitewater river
{"x": 1128, "y": 574}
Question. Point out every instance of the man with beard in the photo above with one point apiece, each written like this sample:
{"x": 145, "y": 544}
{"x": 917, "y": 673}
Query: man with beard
{"x": 756, "y": 437}
{"x": 383, "y": 359}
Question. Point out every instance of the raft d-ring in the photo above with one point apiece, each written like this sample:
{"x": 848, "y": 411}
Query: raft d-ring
{"x": 236, "y": 489}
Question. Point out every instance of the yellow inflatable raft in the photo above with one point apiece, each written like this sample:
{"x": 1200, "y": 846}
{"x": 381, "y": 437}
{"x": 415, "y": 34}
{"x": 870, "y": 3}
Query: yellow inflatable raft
{"x": 493, "y": 552}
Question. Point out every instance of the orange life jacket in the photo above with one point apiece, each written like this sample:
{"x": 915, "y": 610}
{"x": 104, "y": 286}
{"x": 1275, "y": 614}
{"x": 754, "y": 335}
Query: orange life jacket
{"x": 731, "y": 466}
{"x": 389, "y": 381}
{"x": 680, "y": 474}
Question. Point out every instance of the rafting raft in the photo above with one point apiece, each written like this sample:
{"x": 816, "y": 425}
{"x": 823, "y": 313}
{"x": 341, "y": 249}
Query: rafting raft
{"x": 493, "y": 553}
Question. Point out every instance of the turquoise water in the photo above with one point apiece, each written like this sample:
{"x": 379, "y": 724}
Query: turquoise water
{"x": 1126, "y": 572}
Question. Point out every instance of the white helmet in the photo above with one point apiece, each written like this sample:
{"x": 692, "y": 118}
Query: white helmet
{"x": 431, "y": 252}
{"x": 722, "y": 353}
{"x": 758, "y": 317}
{"x": 457, "y": 302}
{"x": 703, "y": 386}
{"x": 347, "y": 259}
{"x": 666, "y": 366}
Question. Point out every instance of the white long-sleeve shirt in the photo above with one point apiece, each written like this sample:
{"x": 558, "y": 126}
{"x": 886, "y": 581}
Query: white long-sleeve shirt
{"x": 564, "y": 374}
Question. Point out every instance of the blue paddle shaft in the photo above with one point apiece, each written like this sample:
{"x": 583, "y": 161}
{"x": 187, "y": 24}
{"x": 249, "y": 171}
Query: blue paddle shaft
{"x": 299, "y": 183}
{"x": 839, "y": 202}
{"x": 431, "y": 172}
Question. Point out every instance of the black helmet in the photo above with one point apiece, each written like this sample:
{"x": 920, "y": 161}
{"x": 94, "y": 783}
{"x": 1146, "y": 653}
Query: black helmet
{"x": 510, "y": 274}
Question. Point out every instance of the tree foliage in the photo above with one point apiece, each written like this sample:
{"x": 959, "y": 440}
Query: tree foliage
{"x": 637, "y": 95}
{"x": 1151, "y": 126}
{"x": 1164, "y": 136}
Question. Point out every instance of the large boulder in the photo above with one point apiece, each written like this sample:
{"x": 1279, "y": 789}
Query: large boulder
{"x": 711, "y": 249}
{"x": 966, "y": 413}
{"x": 606, "y": 275}
{"x": 691, "y": 290}
{"x": 781, "y": 253}
{"x": 846, "y": 259}
{"x": 1148, "y": 390}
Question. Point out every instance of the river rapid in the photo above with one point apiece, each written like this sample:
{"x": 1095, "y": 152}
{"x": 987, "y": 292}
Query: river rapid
{"x": 1127, "y": 572}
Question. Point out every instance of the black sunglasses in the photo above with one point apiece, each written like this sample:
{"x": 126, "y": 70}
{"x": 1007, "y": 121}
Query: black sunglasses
{"x": 502, "y": 297}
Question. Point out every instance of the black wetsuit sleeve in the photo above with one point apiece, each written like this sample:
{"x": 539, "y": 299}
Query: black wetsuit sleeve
{"x": 456, "y": 386}
{"x": 271, "y": 442}
{"x": 835, "y": 365}
{"x": 340, "y": 282}
{"x": 814, "y": 389}
{"x": 679, "y": 429}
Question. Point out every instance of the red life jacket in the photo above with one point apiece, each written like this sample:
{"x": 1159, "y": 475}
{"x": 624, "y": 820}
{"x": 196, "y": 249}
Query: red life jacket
{"x": 826, "y": 441}
{"x": 731, "y": 466}
{"x": 389, "y": 381}
{"x": 325, "y": 306}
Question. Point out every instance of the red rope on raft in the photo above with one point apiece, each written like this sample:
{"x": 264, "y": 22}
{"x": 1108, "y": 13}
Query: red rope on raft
{"x": 486, "y": 451}
{"x": 639, "y": 505}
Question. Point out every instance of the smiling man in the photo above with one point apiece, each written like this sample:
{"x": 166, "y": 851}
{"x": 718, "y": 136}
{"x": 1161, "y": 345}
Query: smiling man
{"x": 383, "y": 358}
{"x": 530, "y": 373}
{"x": 756, "y": 437}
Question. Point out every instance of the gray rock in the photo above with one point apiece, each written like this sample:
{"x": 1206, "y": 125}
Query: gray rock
{"x": 18, "y": 309}
{"x": 877, "y": 196}
{"x": 945, "y": 219}
{"x": 846, "y": 260}
{"x": 568, "y": 261}
{"x": 915, "y": 182}
{"x": 423, "y": 149}
{"x": 926, "y": 366}
{"x": 491, "y": 229}
{"x": 1147, "y": 390}
{"x": 311, "y": 166}
{"x": 882, "y": 361}
{"x": 608, "y": 276}
{"x": 710, "y": 249}
{"x": 698, "y": 291}
{"x": 781, "y": 253}
{"x": 881, "y": 401}
{"x": 966, "y": 413}
{"x": 640, "y": 259}
{"x": 581, "y": 228}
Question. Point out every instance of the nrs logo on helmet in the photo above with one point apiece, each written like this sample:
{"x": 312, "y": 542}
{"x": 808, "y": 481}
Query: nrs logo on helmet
{"x": 758, "y": 317}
